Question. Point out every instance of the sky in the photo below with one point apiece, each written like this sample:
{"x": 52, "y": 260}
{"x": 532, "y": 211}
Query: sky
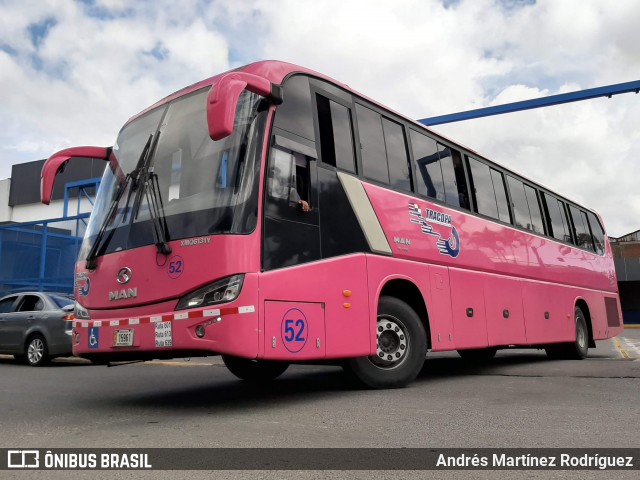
{"x": 72, "y": 72}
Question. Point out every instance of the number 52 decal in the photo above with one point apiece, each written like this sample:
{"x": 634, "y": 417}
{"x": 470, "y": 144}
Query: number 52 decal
{"x": 294, "y": 330}
{"x": 175, "y": 266}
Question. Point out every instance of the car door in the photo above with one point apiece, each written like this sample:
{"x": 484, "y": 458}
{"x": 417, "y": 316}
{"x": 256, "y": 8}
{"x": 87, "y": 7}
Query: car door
{"x": 28, "y": 311}
{"x": 7, "y": 306}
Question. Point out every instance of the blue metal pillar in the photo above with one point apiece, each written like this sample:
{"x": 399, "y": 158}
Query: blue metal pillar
{"x": 43, "y": 256}
{"x": 606, "y": 91}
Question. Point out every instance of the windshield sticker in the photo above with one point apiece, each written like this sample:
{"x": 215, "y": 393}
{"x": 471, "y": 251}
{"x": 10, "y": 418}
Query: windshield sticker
{"x": 439, "y": 225}
{"x": 83, "y": 284}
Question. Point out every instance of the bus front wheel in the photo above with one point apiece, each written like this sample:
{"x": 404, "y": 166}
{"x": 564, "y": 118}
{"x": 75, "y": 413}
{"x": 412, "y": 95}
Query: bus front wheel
{"x": 478, "y": 354}
{"x": 401, "y": 347}
{"x": 576, "y": 350}
{"x": 257, "y": 371}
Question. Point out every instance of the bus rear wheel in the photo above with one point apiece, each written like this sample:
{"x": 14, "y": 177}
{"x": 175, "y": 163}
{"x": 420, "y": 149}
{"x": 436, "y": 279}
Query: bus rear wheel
{"x": 576, "y": 350}
{"x": 257, "y": 371}
{"x": 401, "y": 347}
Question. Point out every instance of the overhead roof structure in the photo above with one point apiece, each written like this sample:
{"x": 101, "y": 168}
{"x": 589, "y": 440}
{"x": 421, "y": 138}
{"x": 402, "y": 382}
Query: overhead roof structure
{"x": 606, "y": 91}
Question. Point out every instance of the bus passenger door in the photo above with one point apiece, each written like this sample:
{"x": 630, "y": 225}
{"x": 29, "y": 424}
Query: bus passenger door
{"x": 291, "y": 232}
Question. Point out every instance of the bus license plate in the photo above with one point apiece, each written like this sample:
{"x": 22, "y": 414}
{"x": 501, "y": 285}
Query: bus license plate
{"x": 123, "y": 338}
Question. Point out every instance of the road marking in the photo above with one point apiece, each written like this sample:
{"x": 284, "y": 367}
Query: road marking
{"x": 632, "y": 345}
{"x": 621, "y": 349}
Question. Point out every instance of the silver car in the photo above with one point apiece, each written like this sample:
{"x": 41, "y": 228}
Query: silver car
{"x": 35, "y": 327}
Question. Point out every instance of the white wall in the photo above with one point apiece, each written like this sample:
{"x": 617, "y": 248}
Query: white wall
{"x": 5, "y": 209}
{"x": 36, "y": 211}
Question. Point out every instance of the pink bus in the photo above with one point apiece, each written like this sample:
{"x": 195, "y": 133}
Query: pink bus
{"x": 272, "y": 215}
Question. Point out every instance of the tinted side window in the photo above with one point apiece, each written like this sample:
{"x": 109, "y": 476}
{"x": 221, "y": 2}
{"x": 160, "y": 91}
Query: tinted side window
{"x": 484, "y": 194}
{"x": 399, "y": 174}
{"x": 374, "y": 157}
{"x": 522, "y": 217}
{"x": 428, "y": 171}
{"x": 31, "y": 303}
{"x": 501, "y": 196}
{"x": 6, "y": 304}
{"x": 588, "y": 237}
{"x": 336, "y": 138}
{"x": 455, "y": 183}
{"x": 598, "y": 233}
{"x": 534, "y": 209}
{"x": 581, "y": 226}
{"x": 557, "y": 218}
{"x": 294, "y": 115}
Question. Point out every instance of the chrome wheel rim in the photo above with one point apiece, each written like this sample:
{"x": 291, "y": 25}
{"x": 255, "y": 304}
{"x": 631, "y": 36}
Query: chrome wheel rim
{"x": 35, "y": 351}
{"x": 392, "y": 343}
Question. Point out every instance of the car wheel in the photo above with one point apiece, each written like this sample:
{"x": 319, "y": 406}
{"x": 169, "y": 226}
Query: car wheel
{"x": 37, "y": 353}
{"x": 257, "y": 371}
{"x": 401, "y": 347}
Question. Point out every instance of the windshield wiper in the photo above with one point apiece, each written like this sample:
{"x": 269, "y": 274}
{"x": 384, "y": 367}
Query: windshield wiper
{"x": 98, "y": 244}
{"x": 147, "y": 185}
{"x": 156, "y": 211}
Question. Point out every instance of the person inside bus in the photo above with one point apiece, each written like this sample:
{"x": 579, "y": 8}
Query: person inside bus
{"x": 295, "y": 197}
{"x": 284, "y": 181}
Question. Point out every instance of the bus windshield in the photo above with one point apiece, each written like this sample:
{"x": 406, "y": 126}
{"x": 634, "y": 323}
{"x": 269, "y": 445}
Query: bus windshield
{"x": 205, "y": 187}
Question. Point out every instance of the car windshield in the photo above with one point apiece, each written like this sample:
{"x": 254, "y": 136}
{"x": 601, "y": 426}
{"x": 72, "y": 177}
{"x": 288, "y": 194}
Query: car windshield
{"x": 205, "y": 187}
{"x": 61, "y": 302}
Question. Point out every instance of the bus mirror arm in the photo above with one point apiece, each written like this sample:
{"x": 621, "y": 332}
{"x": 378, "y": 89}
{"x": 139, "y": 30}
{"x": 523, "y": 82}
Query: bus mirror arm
{"x": 56, "y": 163}
{"x": 222, "y": 100}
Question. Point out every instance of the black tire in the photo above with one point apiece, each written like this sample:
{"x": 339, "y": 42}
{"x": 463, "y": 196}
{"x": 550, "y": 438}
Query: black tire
{"x": 478, "y": 354}
{"x": 258, "y": 371}
{"x": 402, "y": 347}
{"x": 554, "y": 352}
{"x": 37, "y": 353}
{"x": 576, "y": 350}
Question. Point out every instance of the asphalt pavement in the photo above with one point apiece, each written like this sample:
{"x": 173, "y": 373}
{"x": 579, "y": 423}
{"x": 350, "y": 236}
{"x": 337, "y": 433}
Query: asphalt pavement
{"x": 520, "y": 399}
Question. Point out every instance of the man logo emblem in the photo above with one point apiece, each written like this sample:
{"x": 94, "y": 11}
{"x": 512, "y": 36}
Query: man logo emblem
{"x": 124, "y": 275}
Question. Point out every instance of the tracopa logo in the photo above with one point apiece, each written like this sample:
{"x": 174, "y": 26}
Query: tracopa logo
{"x": 23, "y": 459}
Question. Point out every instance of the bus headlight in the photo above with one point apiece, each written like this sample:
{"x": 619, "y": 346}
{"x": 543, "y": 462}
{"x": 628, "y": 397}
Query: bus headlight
{"x": 80, "y": 312}
{"x": 222, "y": 291}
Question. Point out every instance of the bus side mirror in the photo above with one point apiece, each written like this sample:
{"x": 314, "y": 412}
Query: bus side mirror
{"x": 55, "y": 164}
{"x": 222, "y": 100}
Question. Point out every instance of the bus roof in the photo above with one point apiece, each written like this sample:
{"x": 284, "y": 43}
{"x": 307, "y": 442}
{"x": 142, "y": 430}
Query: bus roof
{"x": 277, "y": 71}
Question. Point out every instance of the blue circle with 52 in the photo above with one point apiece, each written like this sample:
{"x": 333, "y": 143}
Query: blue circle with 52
{"x": 293, "y": 330}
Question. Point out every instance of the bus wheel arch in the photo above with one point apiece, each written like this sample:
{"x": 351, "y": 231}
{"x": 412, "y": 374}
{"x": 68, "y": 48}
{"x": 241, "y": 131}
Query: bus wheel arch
{"x": 578, "y": 349}
{"x": 409, "y": 293}
{"x": 582, "y": 304}
{"x": 401, "y": 341}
